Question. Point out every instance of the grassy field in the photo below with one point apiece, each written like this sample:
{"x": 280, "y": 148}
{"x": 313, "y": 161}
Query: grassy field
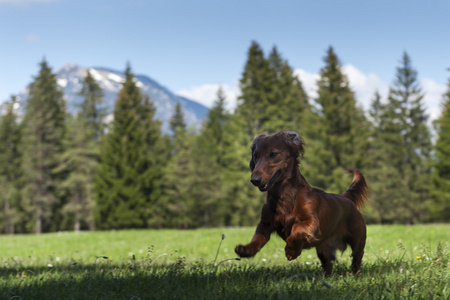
{"x": 409, "y": 262}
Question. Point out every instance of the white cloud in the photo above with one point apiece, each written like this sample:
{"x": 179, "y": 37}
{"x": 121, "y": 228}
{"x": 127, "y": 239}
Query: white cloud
{"x": 309, "y": 81}
{"x": 433, "y": 96}
{"x": 365, "y": 85}
{"x": 206, "y": 94}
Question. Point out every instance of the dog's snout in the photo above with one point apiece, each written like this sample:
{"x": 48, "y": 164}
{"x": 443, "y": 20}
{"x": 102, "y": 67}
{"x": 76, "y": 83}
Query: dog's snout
{"x": 256, "y": 180}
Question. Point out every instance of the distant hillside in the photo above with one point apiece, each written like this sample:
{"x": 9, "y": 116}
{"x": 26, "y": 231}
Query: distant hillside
{"x": 70, "y": 78}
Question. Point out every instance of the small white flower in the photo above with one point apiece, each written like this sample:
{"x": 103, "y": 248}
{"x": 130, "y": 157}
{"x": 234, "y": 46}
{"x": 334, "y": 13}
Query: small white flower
{"x": 264, "y": 259}
{"x": 50, "y": 265}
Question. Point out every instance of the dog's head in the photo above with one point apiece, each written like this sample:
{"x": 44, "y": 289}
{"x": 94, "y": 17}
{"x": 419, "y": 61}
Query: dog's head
{"x": 272, "y": 155}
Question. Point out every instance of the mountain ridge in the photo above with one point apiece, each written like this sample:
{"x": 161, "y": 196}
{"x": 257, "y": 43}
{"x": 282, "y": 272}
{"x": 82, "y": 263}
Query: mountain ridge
{"x": 70, "y": 77}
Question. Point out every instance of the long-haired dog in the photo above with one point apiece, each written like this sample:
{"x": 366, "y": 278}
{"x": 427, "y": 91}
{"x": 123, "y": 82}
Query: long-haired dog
{"x": 303, "y": 216}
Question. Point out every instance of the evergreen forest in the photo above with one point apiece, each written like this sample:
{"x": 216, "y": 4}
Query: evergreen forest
{"x": 63, "y": 172}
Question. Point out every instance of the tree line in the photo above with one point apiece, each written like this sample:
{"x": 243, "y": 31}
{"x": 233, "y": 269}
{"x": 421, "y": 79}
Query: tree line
{"x": 77, "y": 172}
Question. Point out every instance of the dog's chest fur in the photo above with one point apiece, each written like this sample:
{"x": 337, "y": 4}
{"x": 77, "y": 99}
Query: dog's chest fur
{"x": 282, "y": 226}
{"x": 282, "y": 221}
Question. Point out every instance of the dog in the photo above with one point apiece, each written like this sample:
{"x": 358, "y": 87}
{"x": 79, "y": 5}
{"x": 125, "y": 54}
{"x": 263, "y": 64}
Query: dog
{"x": 303, "y": 216}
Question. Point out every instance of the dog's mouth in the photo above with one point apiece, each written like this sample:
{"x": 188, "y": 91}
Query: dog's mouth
{"x": 269, "y": 184}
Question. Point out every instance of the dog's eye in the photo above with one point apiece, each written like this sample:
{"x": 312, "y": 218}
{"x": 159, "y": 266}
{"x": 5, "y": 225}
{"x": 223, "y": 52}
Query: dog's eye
{"x": 273, "y": 154}
{"x": 255, "y": 157}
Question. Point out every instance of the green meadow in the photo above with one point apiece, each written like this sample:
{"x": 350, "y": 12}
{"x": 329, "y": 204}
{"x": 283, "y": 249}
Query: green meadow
{"x": 410, "y": 262}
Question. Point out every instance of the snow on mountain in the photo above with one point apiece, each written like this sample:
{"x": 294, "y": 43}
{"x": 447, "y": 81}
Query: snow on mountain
{"x": 70, "y": 78}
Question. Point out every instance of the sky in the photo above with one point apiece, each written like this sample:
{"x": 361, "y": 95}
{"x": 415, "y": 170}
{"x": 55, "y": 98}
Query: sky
{"x": 194, "y": 46}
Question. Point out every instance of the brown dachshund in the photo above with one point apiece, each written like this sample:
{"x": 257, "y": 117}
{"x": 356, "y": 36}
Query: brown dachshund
{"x": 303, "y": 216}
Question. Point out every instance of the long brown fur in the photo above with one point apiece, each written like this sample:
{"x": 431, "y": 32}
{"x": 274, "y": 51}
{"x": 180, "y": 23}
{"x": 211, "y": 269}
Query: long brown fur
{"x": 303, "y": 216}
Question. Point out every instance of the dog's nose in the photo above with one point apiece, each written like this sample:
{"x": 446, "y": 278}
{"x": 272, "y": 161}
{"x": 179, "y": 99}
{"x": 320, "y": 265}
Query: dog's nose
{"x": 256, "y": 180}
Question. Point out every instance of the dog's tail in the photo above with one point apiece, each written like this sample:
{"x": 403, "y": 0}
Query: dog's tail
{"x": 358, "y": 191}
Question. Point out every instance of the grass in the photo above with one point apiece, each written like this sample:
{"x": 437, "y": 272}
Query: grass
{"x": 409, "y": 262}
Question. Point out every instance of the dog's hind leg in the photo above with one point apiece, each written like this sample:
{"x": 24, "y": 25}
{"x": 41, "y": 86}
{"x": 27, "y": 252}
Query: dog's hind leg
{"x": 357, "y": 242}
{"x": 326, "y": 254}
{"x": 357, "y": 255}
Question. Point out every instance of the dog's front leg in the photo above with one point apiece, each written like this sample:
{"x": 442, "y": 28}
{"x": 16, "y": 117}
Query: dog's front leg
{"x": 261, "y": 237}
{"x": 301, "y": 233}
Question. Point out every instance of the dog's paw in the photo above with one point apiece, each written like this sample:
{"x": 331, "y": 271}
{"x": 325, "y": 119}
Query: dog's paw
{"x": 243, "y": 251}
{"x": 292, "y": 253}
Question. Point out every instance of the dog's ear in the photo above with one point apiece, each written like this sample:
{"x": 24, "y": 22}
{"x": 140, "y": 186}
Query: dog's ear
{"x": 255, "y": 141}
{"x": 295, "y": 142}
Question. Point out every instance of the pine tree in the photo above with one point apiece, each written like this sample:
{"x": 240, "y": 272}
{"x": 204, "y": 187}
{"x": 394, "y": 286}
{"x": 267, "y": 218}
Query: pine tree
{"x": 214, "y": 128}
{"x": 243, "y": 200}
{"x": 400, "y": 151}
{"x": 91, "y": 111}
{"x": 412, "y": 155}
{"x": 10, "y": 159}
{"x": 82, "y": 156}
{"x": 386, "y": 184}
{"x": 318, "y": 164}
{"x": 177, "y": 203}
{"x": 127, "y": 178}
{"x": 177, "y": 120}
{"x": 287, "y": 98}
{"x": 345, "y": 124}
{"x": 406, "y": 98}
{"x": 255, "y": 86}
{"x": 272, "y": 96}
{"x": 440, "y": 190}
{"x": 155, "y": 156}
{"x": 42, "y": 146}
{"x": 206, "y": 168}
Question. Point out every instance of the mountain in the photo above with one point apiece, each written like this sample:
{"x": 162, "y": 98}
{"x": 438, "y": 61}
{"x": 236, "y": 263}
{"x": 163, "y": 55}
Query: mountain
{"x": 70, "y": 78}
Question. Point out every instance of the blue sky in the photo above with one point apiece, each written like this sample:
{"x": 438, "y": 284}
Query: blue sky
{"x": 193, "y": 46}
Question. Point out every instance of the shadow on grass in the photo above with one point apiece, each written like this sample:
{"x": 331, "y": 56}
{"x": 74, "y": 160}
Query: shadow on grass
{"x": 132, "y": 279}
